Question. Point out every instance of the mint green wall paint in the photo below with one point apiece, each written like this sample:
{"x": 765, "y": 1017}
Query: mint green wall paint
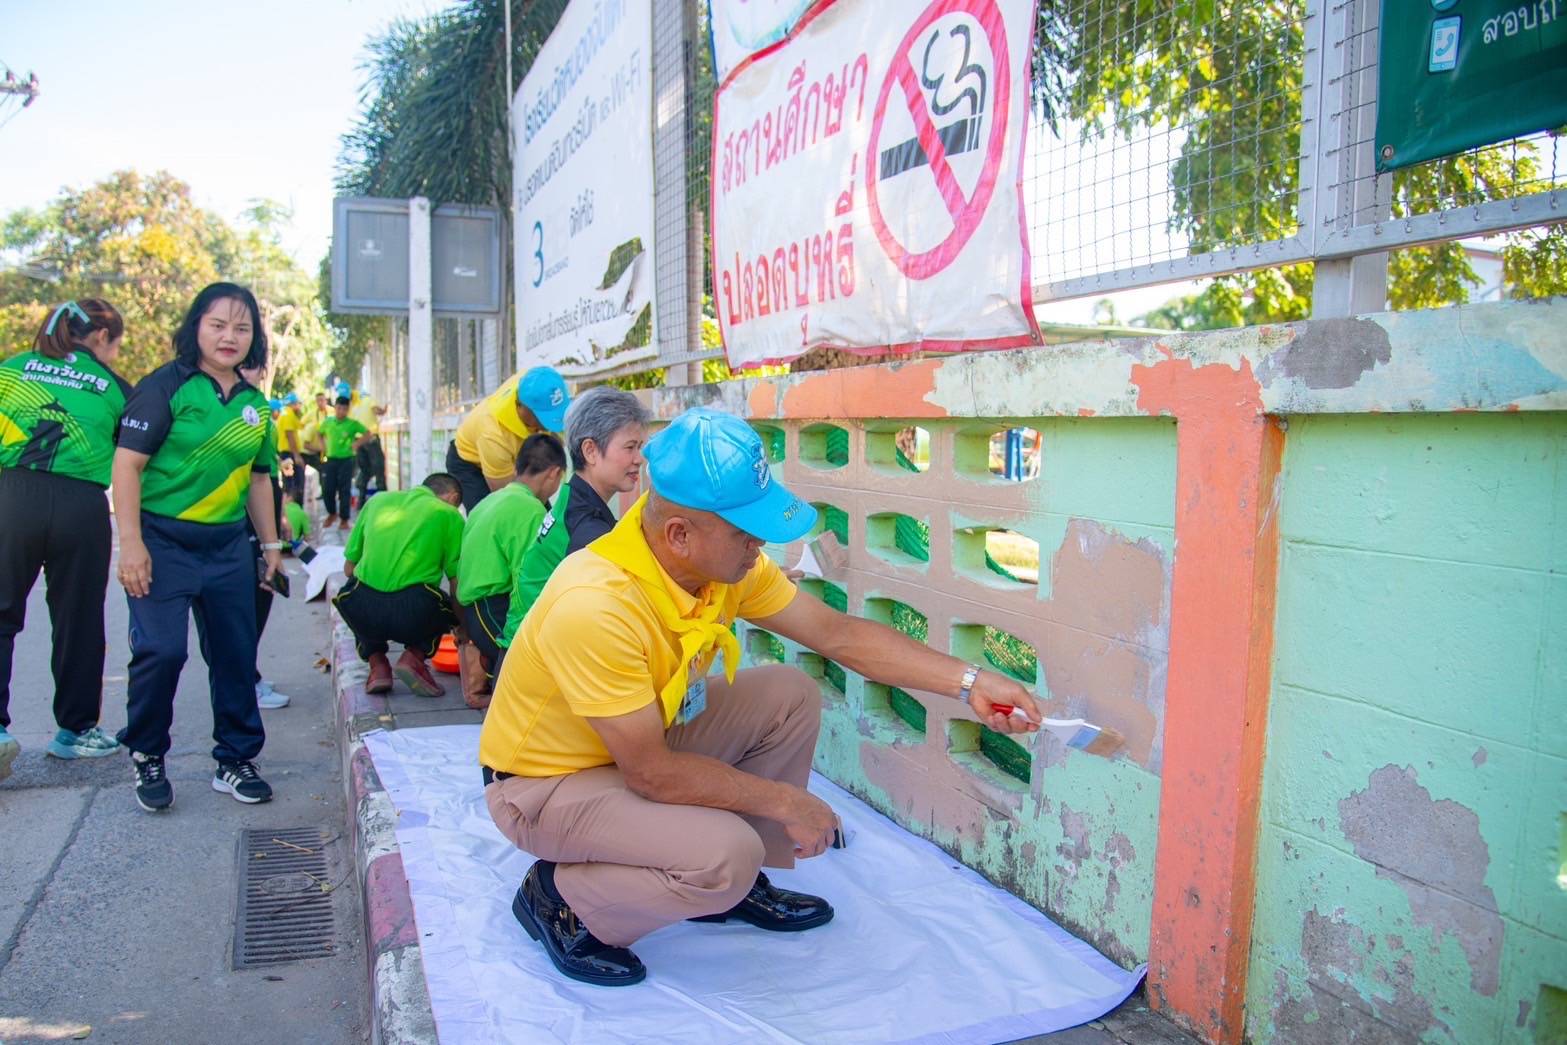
{"x": 1416, "y": 767}
{"x": 1078, "y": 841}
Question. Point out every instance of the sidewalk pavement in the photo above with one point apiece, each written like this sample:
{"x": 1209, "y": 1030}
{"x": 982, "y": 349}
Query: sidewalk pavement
{"x": 122, "y": 921}
{"x": 400, "y": 1002}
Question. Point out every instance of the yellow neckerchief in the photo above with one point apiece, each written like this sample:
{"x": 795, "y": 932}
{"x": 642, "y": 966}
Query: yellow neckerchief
{"x": 698, "y": 635}
{"x": 505, "y": 411}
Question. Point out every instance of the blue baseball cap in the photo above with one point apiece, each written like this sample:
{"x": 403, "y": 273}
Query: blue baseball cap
{"x": 543, "y": 391}
{"x": 291, "y": 399}
{"x": 275, "y": 404}
{"x": 715, "y": 462}
{"x": 344, "y": 388}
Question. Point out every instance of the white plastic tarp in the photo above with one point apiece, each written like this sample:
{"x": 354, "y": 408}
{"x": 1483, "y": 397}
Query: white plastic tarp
{"x": 922, "y": 949}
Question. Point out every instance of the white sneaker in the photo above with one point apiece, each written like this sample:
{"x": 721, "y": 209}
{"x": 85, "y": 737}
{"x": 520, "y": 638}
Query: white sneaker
{"x": 267, "y": 697}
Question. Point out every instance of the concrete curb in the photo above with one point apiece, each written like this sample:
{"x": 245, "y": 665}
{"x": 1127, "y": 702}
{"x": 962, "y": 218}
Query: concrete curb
{"x": 399, "y": 999}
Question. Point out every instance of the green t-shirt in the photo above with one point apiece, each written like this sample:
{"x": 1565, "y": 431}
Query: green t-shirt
{"x": 202, "y": 447}
{"x": 338, "y": 436}
{"x": 498, "y": 531}
{"x": 578, "y": 518}
{"x": 405, "y": 538}
{"x": 298, "y": 521}
{"x": 60, "y": 415}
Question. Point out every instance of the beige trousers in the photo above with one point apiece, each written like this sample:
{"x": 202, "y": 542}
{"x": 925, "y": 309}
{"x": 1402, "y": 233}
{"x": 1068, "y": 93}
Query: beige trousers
{"x": 628, "y": 866}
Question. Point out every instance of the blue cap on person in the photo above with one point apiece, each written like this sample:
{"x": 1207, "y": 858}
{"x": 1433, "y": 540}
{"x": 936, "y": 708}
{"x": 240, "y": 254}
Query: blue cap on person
{"x": 715, "y": 462}
{"x": 344, "y": 388}
{"x": 292, "y": 399}
{"x": 275, "y": 404}
{"x": 543, "y": 391}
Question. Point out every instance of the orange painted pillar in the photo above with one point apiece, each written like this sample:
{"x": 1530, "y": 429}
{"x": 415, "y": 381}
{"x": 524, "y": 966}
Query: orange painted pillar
{"x": 1221, "y": 643}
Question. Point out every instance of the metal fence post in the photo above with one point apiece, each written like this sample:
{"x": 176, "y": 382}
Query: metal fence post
{"x": 421, "y": 331}
{"x": 1345, "y": 188}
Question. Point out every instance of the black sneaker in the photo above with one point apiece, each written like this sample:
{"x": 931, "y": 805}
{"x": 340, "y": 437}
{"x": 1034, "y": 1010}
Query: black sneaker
{"x": 154, "y": 793}
{"x": 241, "y": 780}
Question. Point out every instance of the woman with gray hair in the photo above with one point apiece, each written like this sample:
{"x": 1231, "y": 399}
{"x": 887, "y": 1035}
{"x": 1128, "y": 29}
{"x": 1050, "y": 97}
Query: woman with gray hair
{"x": 605, "y": 430}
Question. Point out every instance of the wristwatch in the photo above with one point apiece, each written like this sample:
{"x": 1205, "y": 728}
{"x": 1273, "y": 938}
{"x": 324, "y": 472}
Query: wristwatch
{"x": 966, "y": 687}
{"x": 271, "y": 546}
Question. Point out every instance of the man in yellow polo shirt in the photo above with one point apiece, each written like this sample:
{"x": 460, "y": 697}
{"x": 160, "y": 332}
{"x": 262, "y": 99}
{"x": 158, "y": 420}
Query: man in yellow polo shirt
{"x": 650, "y": 791}
{"x": 484, "y": 450}
{"x": 401, "y": 547}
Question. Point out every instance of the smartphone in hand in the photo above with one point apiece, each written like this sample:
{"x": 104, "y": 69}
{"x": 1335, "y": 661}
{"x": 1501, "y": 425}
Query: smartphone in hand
{"x": 279, "y": 582}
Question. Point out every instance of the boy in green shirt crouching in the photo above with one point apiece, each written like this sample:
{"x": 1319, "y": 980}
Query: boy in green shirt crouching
{"x": 400, "y": 547}
{"x": 499, "y": 529}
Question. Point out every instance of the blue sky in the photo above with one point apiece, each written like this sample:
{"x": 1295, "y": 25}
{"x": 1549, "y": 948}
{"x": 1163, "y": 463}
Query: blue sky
{"x": 243, "y": 100}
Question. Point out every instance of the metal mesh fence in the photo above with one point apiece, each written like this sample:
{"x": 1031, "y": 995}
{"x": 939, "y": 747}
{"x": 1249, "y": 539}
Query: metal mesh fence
{"x": 1358, "y": 195}
{"x": 683, "y": 88}
{"x": 1161, "y": 131}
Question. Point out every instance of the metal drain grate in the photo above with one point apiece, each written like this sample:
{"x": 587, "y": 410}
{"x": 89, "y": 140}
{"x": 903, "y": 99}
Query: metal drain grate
{"x": 285, "y": 899}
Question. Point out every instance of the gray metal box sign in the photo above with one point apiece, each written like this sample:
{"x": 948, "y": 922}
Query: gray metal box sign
{"x": 370, "y": 257}
{"x": 465, "y": 259}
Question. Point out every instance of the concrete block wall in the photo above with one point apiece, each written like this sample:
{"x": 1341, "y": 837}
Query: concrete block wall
{"x": 1102, "y": 511}
{"x": 1415, "y": 790}
{"x": 1315, "y": 571}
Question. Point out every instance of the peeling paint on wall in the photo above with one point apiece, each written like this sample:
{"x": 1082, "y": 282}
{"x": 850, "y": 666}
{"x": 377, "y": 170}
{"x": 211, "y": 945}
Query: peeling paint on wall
{"x": 1433, "y": 851}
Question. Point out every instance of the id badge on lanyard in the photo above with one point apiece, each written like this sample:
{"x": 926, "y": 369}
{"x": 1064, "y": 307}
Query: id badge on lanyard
{"x": 695, "y": 700}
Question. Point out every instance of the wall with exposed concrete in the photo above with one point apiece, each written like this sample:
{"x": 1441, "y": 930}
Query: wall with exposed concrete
{"x": 1416, "y": 776}
{"x": 1314, "y": 573}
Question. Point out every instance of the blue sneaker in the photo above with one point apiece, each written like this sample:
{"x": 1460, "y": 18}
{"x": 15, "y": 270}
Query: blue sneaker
{"x": 89, "y": 743}
{"x": 9, "y": 749}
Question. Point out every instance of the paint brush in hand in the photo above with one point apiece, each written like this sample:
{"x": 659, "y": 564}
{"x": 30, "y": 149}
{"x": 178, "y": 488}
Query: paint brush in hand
{"x": 1074, "y": 732}
{"x": 823, "y": 557}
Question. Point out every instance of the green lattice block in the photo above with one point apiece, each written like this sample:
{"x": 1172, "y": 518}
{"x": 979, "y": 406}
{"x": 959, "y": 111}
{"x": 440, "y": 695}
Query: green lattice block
{"x": 835, "y": 597}
{"x": 834, "y": 676}
{"x": 773, "y": 439}
{"x": 911, "y": 711}
{"x": 1006, "y": 754}
{"x": 837, "y": 447}
{"x": 775, "y": 648}
{"x": 912, "y": 538}
{"x": 911, "y": 622}
{"x": 904, "y": 462}
{"x": 1011, "y": 655}
{"x": 836, "y": 522}
{"x": 995, "y": 567}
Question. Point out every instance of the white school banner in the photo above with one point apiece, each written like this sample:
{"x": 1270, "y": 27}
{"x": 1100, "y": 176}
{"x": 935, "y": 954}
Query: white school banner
{"x": 867, "y": 177}
{"x": 583, "y": 188}
{"x": 743, "y": 27}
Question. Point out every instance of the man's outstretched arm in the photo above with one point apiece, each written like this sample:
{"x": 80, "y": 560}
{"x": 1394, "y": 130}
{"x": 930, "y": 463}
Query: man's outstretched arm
{"x": 888, "y": 656}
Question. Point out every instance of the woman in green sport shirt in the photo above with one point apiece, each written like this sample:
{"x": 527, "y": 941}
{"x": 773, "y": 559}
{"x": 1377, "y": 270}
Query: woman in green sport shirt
{"x": 59, "y": 410}
{"x": 195, "y": 457}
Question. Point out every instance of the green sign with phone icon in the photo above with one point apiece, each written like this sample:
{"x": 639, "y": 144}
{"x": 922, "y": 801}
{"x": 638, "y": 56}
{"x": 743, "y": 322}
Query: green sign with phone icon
{"x": 1457, "y": 74}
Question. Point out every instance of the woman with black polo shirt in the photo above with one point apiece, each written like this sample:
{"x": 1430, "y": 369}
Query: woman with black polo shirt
{"x": 195, "y": 456}
{"x": 59, "y": 409}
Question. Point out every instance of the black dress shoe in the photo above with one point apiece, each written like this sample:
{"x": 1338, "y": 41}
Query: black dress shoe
{"x": 576, "y": 952}
{"x": 776, "y": 910}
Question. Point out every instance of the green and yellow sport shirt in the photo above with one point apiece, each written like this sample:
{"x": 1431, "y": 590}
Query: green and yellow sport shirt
{"x": 202, "y": 446}
{"x": 60, "y": 415}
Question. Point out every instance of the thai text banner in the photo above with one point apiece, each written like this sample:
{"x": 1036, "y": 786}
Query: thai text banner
{"x": 584, "y": 192}
{"x": 866, "y": 183}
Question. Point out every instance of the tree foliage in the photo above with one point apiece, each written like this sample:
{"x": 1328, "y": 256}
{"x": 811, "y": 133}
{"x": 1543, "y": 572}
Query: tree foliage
{"x": 1229, "y": 73}
{"x": 141, "y": 243}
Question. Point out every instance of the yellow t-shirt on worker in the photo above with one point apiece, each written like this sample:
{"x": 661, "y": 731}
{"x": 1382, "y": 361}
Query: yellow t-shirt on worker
{"x": 362, "y": 409}
{"x": 593, "y": 646}
{"x": 285, "y": 422}
{"x": 492, "y": 433}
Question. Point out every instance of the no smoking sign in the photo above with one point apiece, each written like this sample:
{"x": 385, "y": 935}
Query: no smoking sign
{"x": 938, "y": 134}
